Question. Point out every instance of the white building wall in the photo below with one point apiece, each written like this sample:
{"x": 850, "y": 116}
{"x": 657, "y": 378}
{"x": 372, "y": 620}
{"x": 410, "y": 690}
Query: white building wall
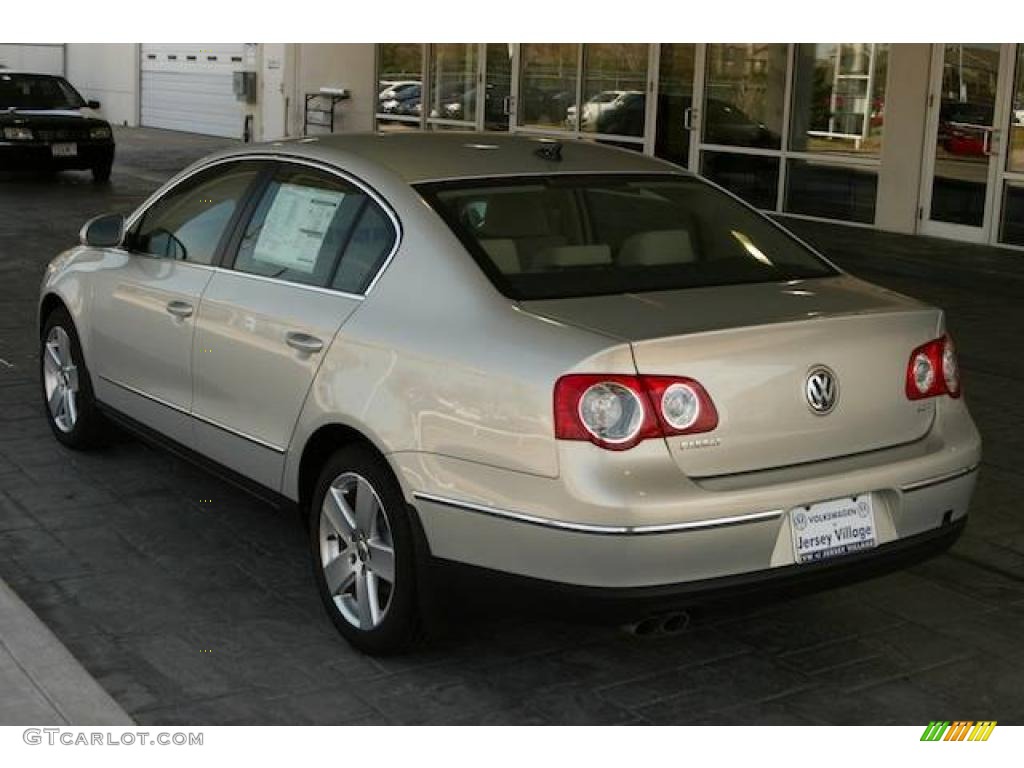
{"x": 351, "y": 66}
{"x": 45, "y": 58}
{"x": 906, "y": 115}
{"x": 108, "y": 73}
{"x": 276, "y": 66}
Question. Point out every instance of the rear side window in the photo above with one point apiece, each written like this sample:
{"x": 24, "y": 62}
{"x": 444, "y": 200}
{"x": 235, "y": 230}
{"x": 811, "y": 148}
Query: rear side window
{"x": 368, "y": 247}
{"x": 313, "y": 228}
{"x": 567, "y": 236}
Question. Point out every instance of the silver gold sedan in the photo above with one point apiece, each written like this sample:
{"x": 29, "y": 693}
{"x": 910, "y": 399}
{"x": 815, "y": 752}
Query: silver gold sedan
{"x": 561, "y": 362}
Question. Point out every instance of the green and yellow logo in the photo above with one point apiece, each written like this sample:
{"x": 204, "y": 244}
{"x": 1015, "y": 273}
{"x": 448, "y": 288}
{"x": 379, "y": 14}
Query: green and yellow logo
{"x": 961, "y": 730}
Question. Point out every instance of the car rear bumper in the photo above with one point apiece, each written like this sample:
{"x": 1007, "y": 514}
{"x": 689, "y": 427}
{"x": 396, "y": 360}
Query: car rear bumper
{"x": 784, "y": 581}
{"x": 23, "y": 156}
{"x": 753, "y": 545}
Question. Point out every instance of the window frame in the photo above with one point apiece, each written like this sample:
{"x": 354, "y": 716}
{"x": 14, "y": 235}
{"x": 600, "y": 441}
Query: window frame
{"x": 227, "y": 249}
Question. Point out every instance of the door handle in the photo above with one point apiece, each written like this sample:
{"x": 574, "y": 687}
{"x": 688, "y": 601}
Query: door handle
{"x": 180, "y": 309}
{"x": 990, "y": 144}
{"x": 688, "y": 119}
{"x": 303, "y": 342}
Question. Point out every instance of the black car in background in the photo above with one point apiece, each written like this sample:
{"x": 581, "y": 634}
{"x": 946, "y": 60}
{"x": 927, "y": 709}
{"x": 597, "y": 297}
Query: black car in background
{"x": 43, "y": 127}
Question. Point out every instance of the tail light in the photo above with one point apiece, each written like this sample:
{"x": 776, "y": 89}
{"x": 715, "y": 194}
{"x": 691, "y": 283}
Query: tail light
{"x": 618, "y": 411}
{"x": 933, "y": 370}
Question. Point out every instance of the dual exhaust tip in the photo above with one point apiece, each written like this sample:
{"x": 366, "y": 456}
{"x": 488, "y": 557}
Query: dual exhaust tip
{"x": 659, "y": 625}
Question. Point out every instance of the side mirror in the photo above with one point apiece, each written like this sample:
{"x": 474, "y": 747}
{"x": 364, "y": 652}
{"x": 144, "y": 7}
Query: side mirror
{"x": 92, "y": 104}
{"x": 105, "y": 231}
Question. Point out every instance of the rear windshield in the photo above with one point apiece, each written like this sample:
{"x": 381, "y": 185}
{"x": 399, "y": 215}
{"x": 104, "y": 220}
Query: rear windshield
{"x": 37, "y": 92}
{"x": 577, "y": 235}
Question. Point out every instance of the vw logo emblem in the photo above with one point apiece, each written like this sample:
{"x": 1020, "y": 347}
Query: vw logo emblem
{"x": 821, "y": 390}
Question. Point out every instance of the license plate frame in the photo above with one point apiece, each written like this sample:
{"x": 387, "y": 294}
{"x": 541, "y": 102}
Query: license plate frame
{"x": 833, "y": 528}
{"x": 64, "y": 149}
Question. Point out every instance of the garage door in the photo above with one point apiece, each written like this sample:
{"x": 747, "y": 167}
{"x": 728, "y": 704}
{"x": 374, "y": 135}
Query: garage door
{"x": 188, "y": 87}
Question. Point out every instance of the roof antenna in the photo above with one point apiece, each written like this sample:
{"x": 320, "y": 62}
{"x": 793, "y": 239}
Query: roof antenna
{"x": 549, "y": 149}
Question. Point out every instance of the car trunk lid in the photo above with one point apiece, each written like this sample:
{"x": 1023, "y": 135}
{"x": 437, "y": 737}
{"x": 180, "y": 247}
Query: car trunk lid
{"x": 753, "y": 347}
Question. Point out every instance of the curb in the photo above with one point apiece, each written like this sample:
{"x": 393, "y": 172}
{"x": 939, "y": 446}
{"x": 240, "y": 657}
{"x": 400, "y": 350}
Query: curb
{"x": 41, "y": 679}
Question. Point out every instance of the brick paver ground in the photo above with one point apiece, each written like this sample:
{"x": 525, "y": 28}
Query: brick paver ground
{"x": 189, "y": 612}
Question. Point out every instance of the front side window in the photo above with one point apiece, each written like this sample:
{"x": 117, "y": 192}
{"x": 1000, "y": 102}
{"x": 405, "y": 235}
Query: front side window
{"x": 566, "y": 236}
{"x": 19, "y": 91}
{"x": 188, "y": 223}
{"x": 314, "y": 228}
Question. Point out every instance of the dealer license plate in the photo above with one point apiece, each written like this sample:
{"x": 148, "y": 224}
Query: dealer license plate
{"x": 833, "y": 528}
{"x": 64, "y": 150}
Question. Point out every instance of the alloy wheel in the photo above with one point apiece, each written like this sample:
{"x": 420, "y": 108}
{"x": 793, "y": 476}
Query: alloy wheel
{"x": 357, "y": 551}
{"x": 60, "y": 379}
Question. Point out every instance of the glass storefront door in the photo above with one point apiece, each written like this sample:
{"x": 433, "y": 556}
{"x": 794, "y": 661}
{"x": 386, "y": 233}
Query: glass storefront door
{"x": 497, "y": 86}
{"x": 453, "y": 73}
{"x": 677, "y": 63}
{"x": 1011, "y": 200}
{"x": 966, "y": 134}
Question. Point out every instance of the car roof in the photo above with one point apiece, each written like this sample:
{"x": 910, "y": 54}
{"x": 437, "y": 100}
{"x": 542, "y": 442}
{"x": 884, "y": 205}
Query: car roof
{"x": 419, "y": 157}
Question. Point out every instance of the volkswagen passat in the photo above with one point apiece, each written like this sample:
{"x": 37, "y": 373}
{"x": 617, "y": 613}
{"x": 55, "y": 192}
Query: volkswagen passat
{"x": 559, "y": 361}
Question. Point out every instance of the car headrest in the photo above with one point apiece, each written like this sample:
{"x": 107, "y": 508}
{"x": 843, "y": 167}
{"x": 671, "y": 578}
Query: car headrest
{"x": 575, "y": 256}
{"x": 504, "y": 254}
{"x": 657, "y": 248}
{"x": 515, "y": 214}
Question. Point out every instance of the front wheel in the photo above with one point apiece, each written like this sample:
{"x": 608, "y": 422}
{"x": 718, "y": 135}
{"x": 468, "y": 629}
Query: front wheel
{"x": 364, "y": 555}
{"x": 101, "y": 172}
{"x": 67, "y": 391}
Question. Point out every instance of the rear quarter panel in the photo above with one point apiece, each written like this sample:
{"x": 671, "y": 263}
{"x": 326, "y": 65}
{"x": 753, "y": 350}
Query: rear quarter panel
{"x": 435, "y": 360}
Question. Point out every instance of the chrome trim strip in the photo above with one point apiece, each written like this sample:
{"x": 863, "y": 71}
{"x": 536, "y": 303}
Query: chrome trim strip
{"x": 938, "y": 480}
{"x": 602, "y": 530}
{"x": 289, "y": 284}
{"x": 668, "y": 172}
{"x": 282, "y": 158}
{"x": 140, "y": 393}
{"x": 196, "y": 416}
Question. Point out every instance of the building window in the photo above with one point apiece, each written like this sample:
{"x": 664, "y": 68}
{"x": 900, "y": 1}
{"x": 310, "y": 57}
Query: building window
{"x": 831, "y": 190}
{"x": 755, "y": 178}
{"x": 1012, "y": 230}
{"x": 452, "y": 83}
{"x": 614, "y": 89}
{"x": 547, "y": 86}
{"x": 400, "y": 86}
{"x": 744, "y": 106}
{"x": 497, "y": 86}
{"x": 676, "y": 67}
{"x": 838, "y": 98}
{"x": 1015, "y": 154}
{"x": 745, "y": 95}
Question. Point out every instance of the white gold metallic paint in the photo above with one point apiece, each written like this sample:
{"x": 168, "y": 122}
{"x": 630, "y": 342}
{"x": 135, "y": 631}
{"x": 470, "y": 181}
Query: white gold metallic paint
{"x": 452, "y": 382}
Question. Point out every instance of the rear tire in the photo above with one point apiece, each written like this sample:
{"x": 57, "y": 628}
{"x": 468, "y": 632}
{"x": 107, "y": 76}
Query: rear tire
{"x": 66, "y": 387}
{"x": 364, "y": 553}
